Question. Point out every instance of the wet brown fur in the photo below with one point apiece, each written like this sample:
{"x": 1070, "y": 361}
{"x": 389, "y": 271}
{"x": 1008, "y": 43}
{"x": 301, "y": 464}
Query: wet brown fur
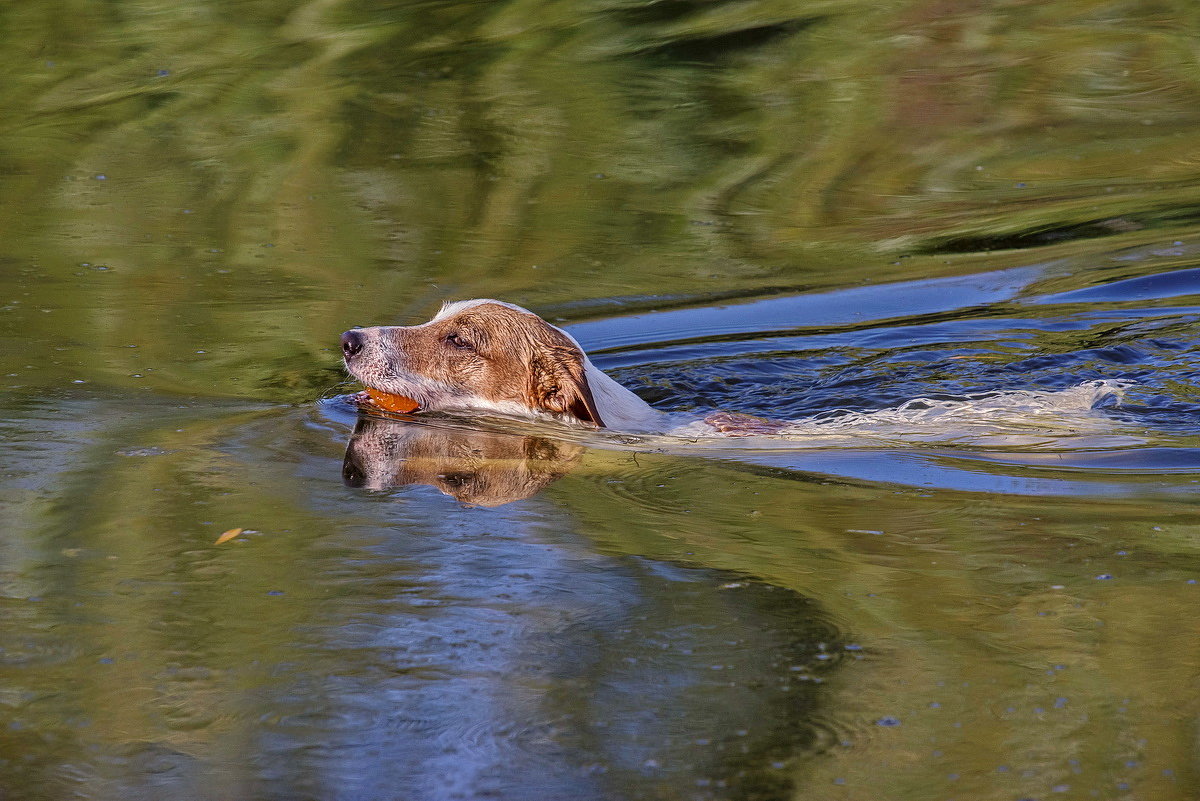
{"x": 489, "y": 351}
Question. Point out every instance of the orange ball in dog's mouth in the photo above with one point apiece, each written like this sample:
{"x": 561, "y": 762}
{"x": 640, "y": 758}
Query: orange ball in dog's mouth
{"x": 392, "y": 403}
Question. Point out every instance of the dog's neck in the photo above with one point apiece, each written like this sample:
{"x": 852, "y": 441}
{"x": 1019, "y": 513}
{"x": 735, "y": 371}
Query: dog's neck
{"x": 620, "y": 409}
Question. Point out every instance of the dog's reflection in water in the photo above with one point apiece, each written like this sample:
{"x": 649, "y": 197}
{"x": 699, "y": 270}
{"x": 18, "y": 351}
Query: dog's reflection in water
{"x": 479, "y": 468}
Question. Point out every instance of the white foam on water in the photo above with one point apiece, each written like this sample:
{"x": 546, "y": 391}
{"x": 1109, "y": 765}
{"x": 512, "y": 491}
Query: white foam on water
{"x": 1018, "y": 418}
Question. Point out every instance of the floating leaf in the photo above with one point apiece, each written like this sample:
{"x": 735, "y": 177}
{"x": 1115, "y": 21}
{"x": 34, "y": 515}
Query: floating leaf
{"x": 228, "y": 535}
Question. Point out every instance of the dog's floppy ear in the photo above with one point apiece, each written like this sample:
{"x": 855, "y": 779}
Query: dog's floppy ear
{"x": 559, "y": 385}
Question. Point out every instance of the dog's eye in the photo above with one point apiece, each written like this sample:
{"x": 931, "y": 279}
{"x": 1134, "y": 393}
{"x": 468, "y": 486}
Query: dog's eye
{"x": 454, "y": 340}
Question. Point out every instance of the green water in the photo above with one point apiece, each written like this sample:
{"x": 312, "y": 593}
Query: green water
{"x": 197, "y": 198}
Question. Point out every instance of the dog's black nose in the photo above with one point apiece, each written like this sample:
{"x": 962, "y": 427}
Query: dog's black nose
{"x": 352, "y": 344}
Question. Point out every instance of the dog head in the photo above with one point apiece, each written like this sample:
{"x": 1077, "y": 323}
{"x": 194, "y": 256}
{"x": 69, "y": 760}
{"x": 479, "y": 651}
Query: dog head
{"x": 480, "y": 355}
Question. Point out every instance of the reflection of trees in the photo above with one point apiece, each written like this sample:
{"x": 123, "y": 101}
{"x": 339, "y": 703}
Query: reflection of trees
{"x": 282, "y": 174}
{"x": 326, "y": 649}
{"x": 988, "y": 635}
{"x": 969, "y": 600}
{"x": 125, "y": 653}
{"x": 480, "y": 468}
